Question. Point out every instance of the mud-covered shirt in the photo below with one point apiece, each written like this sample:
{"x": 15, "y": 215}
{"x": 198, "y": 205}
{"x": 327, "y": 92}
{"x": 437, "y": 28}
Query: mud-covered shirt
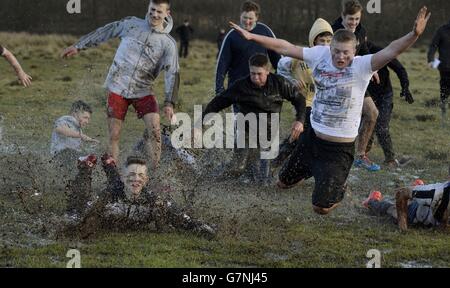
{"x": 60, "y": 142}
{"x": 142, "y": 54}
{"x": 337, "y": 105}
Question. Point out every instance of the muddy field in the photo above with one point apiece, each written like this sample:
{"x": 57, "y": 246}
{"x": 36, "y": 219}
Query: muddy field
{"x": 259, "y": 226}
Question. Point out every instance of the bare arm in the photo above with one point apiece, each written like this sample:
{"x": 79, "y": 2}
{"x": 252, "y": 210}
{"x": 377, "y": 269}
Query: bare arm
{"x": 66, "y": 131}
{"x": 380, "y": 59}
{"x": 24, "y": 78}
{"x": 280, "y": 46}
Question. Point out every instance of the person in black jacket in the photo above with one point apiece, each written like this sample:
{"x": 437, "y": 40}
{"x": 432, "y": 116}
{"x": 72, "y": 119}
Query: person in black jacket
{"x": 184, "y": 32}
{"x": 441, "y": 43}
{"x": 259, "y": 93}
{"x": 352, "y": 12}
{"x": 382, "y": 95}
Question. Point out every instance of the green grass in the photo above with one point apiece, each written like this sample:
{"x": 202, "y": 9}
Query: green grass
{"x": 259, "y": 227}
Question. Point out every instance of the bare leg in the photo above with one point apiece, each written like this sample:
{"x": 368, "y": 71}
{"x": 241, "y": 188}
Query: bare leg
{"x": 115, "y": 126}
{"x": 153, "y": 138}
{"x": 369, "y": 120}
{"x": 402, "y": 196}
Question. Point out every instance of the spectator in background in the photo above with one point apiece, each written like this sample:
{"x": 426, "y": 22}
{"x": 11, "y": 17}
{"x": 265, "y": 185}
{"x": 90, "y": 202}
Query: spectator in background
{"x": 185, "y": 32}
{"x": 441, "y": 43}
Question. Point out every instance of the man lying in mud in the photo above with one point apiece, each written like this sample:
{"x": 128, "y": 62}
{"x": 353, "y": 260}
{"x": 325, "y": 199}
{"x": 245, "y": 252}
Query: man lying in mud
{"x": 127, "y": 202}
{"x": 426, "y": 205}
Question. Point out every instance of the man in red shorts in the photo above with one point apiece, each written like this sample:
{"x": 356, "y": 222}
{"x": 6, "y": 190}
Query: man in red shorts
{"x": 146, "y": 48}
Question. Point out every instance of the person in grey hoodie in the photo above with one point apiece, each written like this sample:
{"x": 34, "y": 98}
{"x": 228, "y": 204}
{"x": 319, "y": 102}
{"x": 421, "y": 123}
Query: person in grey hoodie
{"x": 146, "y": 48}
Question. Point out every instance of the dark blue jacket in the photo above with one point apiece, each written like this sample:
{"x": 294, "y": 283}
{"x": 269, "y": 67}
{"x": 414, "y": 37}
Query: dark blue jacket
{"x": 441, "y": 43}
{"x": 235, "y": 53}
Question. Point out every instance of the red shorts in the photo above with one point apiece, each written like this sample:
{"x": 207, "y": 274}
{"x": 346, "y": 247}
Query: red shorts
{"x": 118, "y": 106}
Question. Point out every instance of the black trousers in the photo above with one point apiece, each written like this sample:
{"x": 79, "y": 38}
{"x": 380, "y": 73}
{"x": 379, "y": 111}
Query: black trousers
{"x": 184, "y": 49}
{"x": 445, "y": 86}
{"x": 385, "y": 105}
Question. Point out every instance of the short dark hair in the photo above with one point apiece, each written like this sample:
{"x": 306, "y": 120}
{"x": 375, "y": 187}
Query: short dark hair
{"x": 259, "y": 60}
{"x": 158, "y": 2}
{"x": 351, "y": 7}
{"x": 249, "y": 6}
{"x": 324, "y": 34}
{"x": 343, "y": 36}
{"x": 80, "y": 106}
{"x": 135, "y": 160}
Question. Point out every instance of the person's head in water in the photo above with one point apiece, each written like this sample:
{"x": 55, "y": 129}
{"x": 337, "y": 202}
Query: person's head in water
{"x": 343, "y": 48}
{"x": 135, "y": 176}
{"x": 82, "y": 112}
{"x": 186, "y": 22}
{"x": 259, "y": 65}
{"x": 158, "y": 10}
{"x": 249, "y": 15}
{"x": 351, "y": 14}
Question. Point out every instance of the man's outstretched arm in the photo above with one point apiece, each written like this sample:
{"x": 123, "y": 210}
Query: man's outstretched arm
{"x": 24, "y": 78}
{"x": 280, "y": 46}
{"x": 380, "y": 59}
{"x": 101, "y": 35}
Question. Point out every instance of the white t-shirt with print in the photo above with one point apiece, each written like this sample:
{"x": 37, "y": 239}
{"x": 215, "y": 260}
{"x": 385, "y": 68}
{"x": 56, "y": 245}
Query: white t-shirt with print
{"x": 337, "y": 105}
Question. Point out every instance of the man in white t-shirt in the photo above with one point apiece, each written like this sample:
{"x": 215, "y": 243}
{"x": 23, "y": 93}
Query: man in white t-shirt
{"x": 326, "y": 152}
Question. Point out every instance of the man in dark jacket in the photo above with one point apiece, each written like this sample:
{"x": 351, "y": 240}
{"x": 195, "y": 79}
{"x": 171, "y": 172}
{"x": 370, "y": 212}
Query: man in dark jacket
{"x": 235, "y": 51}
{"x": 184, "y": 32}
{"x": 261, "y": 93}
{"x": 441, "y": 43}
{"x": 382, "y": 95}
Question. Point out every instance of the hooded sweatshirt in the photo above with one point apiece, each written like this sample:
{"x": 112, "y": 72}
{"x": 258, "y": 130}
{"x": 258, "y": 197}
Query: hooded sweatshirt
{"x": 295, "y": 70}
{"x": 142, "y": 54}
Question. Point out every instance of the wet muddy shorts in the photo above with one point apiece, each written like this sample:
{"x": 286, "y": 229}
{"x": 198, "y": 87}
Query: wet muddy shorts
{"x": 118, "y": 106}
{"x": 328, "y": 162}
